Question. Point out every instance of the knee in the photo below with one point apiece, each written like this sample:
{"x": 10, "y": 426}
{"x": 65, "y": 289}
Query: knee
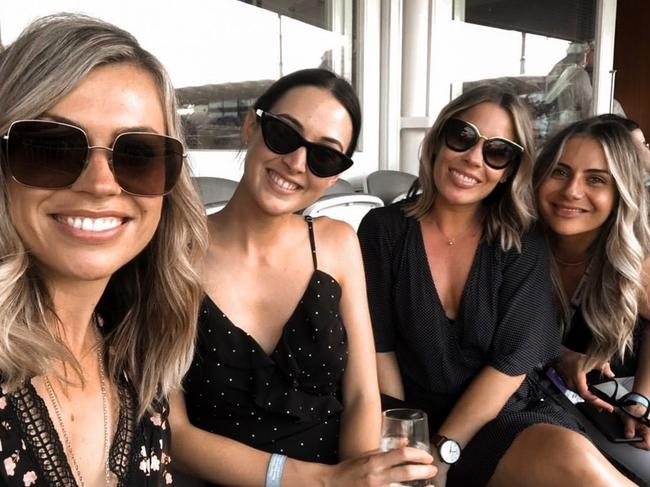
{"x": 570, "y": 453}
{"x": 551, "y": 453}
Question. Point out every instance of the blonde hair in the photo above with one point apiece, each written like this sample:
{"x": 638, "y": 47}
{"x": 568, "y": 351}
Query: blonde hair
{"x": 614, "y": 287}
{"x": 150, "y": 305}
{"x": 510, "y": 210}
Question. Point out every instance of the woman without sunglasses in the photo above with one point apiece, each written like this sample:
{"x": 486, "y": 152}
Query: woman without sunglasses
{"x": 97, "y": 327}
{"x": 461, "y": 305}
{"x": 285, "y": 362}
{"x": 589, "y": 181}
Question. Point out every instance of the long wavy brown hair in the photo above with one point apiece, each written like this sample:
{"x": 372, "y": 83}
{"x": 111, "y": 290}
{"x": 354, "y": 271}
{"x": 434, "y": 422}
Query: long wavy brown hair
{"x": 611, "y": 296}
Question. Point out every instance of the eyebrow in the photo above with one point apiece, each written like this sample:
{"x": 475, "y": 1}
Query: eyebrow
{"x": 116, "y": 132}
{"x": 591, "y": 170}
{"x": 299, "y": 125}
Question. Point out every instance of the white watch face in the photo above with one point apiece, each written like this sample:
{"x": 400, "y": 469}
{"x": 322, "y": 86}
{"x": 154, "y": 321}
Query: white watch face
{"x": 449, "y": 451}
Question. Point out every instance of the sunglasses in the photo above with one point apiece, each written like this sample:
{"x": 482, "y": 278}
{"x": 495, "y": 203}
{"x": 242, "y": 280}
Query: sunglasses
{"x": 633, "y": 404}
{"x": 282, "y": 138}
{"x": 52, "y": 155}
{"x": 498, "y": 152}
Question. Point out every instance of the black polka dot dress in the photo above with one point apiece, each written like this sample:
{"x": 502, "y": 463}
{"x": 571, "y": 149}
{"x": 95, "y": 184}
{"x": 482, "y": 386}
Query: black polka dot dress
{"x": 505, "y": 320}
{"x": 287, "y": 402}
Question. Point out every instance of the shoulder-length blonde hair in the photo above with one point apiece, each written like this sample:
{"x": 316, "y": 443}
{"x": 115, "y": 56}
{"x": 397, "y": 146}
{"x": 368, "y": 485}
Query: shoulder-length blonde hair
{"x": 150, "y": 305}
{"x": 612, "y": 292}
{"x": 509, "y": 208}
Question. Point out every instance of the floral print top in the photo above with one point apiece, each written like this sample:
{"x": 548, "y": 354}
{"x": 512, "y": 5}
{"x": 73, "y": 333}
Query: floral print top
{"x": 31, "y": 453}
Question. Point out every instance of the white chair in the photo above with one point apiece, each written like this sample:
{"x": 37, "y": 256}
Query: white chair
{"x": 215, "y": 207}
{"x": 215, "y": 192}
{"x": 389, "y": 185}
{"x": 350, "y": 208}
{"x": 341, "y": 186}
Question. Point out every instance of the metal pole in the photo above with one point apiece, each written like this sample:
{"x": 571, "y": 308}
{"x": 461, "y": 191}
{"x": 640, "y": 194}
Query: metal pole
{"x": 280, "y": 35}
{"x": 612, "y": 74}
{"x": 522, "y": 59}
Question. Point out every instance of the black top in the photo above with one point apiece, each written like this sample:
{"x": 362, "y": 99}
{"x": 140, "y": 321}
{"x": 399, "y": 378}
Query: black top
{"x": 32, "y": 454}
{"x": 505, "y": 319}
{"x": 579, "y": 336}
{"x": 286, "y": 402}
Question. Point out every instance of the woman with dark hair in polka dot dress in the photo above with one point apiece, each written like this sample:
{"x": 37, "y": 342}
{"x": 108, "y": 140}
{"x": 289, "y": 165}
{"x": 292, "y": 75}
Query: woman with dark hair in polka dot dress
{"x": 461, "y": 305}
{"x": 285, "y": 362}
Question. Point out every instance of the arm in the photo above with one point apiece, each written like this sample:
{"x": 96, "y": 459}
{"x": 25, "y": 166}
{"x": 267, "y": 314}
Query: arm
{"x": 525, "y": 333}
{"x": 361, "y": 417}
{"x": 222, "y": 460}
{"x": 642, "y": 376}
{"x": 572, "y": 367}
{"x": 378, "y": 232}
{"x": 230, "y": 463}
{"x": 480, "y": 403}
{"x": 642, "y": 386}
{"x": 377, "y": 236}
{"x": 390, "y": 380}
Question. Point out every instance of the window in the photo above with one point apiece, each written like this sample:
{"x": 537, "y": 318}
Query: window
{"x": 221, "y": 55}
{"x": 274, "y": 38}
{"x": 544, "y": 52}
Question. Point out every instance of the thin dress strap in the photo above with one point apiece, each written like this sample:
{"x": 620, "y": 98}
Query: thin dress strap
{"x": 312, "y": 241}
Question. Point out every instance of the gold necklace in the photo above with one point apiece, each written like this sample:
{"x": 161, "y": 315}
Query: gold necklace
{"x": 57, "y": 410}
{"x": 450, "y": 241}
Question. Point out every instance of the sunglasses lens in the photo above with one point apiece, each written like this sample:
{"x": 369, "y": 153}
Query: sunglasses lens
{"x": 325, "y": 162}
{"x": 635, "y": 404}
{"x": 499, "y": 153}
{"x": 459, "y": 135}
{"x": 147, "y": 164}
{"x": 46, "y": 154}
{"x": 279, "y": 137}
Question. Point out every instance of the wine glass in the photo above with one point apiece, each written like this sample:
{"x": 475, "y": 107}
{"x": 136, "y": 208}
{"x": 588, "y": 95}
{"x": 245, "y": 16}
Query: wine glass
{"x": 405, "y": 427}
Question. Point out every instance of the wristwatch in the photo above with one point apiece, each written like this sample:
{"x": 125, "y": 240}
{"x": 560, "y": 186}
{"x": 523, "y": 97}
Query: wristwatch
{"x": 449, "y": 450}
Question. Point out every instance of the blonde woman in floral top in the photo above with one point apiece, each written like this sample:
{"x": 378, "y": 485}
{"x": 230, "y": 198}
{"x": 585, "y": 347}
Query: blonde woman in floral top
{"x": 96, "y": 326}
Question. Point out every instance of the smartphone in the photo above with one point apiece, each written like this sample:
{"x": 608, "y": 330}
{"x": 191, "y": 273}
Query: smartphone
{"x": 609, "y": 424}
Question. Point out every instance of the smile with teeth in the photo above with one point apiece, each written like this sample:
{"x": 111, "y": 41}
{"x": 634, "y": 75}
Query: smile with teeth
{"x": 90, "y": 224}
{"x": 568, "y": 209}
{"x": 281, "y": 182}
{"x": 463, "y": 177}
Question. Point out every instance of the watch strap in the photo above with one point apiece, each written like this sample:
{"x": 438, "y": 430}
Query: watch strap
{"x": 438, "y": 440}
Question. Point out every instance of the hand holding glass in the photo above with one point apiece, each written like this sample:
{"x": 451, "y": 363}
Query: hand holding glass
{"x": 405, "y": 427}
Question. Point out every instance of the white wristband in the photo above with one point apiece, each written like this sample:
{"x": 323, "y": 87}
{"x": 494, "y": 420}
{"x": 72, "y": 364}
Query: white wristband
{"x": 274, "y": 470}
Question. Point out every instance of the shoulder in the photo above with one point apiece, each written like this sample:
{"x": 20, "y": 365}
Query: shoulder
{"x": 386, "y": 221}
{"x": 337, "y": 248}
{"x": 534, "y": 240}
{"x": 388, "y": 215}
{"x": 534, "y": 249}
{"x": 333, "y": 234}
